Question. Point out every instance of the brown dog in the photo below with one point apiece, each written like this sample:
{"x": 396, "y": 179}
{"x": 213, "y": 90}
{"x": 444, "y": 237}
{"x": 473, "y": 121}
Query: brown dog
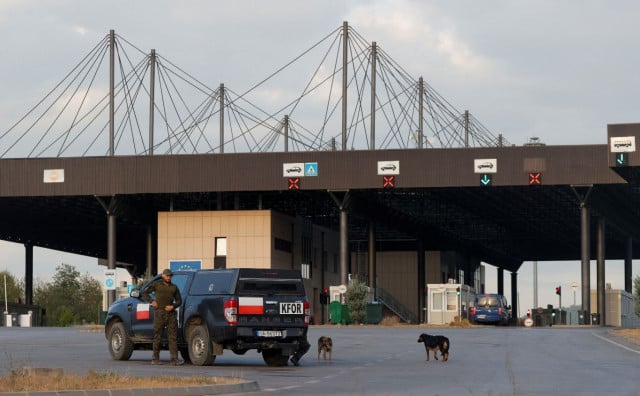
{"x": 435, "y": 344}
{"x": 325, "y": 344}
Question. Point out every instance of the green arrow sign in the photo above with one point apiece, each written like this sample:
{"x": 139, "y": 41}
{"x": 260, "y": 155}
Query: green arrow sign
{"x": 622, "y": 159}
{"x": 485, "y": 179}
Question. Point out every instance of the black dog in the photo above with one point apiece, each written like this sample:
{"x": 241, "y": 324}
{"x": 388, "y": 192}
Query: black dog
{"x": 435, "y": 343}
{"x": 325, "y": 344}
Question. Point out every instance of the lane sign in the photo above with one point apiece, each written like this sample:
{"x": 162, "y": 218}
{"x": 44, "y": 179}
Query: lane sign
{"x": 485, "y": 180}
{"x": 535, "y": 178}
{"x": 388, "y": 167}
{"x": 311, "y": 169}
{"x": 623, "y": 144}
{"x": 294, "y": 183}
{"x": 293, "y": 169}
{"x": 388, "y": 182}
{"x": 485, "y": 165}
{"x": 622, "y": 159}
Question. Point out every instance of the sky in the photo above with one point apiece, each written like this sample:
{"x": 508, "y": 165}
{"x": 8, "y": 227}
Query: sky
{"x": 557, "y": 70}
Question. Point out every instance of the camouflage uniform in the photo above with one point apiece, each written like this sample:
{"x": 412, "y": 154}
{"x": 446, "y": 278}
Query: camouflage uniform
{"x": 165, "y": 294}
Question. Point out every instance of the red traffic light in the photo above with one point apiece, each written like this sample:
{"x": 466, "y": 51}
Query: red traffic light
{"x": 559, "y": 290}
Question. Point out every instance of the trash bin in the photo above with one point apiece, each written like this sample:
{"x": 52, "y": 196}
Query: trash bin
{"x": 595, "y": 318}
{"x": 373, "y": 313}
{"x": 335, "y": 312}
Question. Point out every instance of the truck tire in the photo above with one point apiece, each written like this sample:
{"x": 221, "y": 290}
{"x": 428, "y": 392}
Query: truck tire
{"x": 120, "y": 346}
{"x": 274, "y": 357}
{"x": 200, "y": 348}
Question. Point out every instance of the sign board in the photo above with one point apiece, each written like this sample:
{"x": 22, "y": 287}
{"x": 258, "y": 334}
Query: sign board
{"x": 110, "y": 279}
{"x": 185, "y": 265}
{"x": 528, "y": 322}
{"x": 388, "y": 167}
{"x": 300, "y": 169}
{"x": 53, "y": 176}
{"x": 342, "y": 289}
{"x": 485, "y": 165}
{"x": 623, "y": 144}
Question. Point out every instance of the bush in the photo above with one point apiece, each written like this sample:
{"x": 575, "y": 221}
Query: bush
{"x": 357, "y": 301}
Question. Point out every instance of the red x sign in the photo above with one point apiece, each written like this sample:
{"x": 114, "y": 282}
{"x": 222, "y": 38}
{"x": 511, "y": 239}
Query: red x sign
{"x": 388, "y": 182}
{"x": 294, "y": 183}
{"x": 535, "y": 178}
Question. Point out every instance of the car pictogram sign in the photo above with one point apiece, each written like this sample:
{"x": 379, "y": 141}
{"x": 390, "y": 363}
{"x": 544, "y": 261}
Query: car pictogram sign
{"x": 294, "y": 183}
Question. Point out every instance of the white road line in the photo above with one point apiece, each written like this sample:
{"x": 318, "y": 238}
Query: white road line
{"x": 616, "y": 344}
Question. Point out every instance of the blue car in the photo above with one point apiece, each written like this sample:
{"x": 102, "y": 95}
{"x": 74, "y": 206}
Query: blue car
{"x": 490, "y": 309}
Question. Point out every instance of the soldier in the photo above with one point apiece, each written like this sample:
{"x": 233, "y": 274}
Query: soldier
{"x": 167, "y": 299}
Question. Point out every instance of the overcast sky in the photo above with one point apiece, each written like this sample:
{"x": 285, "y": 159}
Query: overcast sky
{"x": 557, "y": 70}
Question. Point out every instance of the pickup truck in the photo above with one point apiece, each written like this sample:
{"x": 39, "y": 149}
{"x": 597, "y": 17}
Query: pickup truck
{"x": 236, "y": 309}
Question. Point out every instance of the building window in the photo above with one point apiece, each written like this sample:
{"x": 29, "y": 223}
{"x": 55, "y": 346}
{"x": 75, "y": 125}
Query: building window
{"x": 220, "y": 248}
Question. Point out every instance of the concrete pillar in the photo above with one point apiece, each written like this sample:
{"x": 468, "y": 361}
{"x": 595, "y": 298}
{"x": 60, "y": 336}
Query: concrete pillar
{"x": 600, "y": 271}
{"x": 628, "y": 259}
{"x": 514, "y": 296}
{"x": 500, "y": 281}
{"x": 421, "y": 281}
{"x": 28, "y": 274}
{"x": 586, "y": 269}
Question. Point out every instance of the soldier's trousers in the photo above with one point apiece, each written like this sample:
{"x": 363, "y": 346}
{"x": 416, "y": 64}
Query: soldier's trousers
{"x": 169, "y": 320}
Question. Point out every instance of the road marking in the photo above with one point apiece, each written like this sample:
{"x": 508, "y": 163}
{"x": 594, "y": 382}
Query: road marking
{"x": 616, "y": 344}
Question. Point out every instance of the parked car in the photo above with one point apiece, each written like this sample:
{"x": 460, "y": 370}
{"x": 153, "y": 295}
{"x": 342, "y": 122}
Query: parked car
{"x": 490, "y": 308}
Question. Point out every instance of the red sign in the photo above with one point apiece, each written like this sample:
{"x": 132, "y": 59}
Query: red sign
{"x": 388, "y": 182}
{"x": 294, "y": 183}
{"x": 535, "y": 178}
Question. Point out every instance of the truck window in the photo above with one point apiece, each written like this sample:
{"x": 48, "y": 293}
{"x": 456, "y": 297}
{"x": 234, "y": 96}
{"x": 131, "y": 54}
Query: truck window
{"x": 265, "y": 287}
{"x": 214, "y": 282}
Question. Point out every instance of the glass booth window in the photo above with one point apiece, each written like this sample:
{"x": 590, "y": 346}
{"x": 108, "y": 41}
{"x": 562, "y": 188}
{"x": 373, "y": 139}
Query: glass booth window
{"x": 436, "y": 301}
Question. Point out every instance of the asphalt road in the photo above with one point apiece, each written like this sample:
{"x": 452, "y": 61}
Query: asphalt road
{"x": 378, "y": 361}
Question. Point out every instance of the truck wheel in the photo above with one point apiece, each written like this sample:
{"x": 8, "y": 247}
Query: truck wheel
{"x": 274, "y": 357}
{"x": 120, "y": 346}
{"x": 200, "y": 348}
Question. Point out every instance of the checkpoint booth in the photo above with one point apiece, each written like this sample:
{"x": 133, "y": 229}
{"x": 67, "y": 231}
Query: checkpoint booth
{"x": 448, "y": 301}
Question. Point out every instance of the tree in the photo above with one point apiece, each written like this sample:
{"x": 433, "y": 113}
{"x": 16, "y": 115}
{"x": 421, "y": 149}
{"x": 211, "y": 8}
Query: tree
{"x": 15, "y": 288}
{"x": 636, "y": 296}
{"x": 357, "y": 301}
{"x": 69, "y": 299}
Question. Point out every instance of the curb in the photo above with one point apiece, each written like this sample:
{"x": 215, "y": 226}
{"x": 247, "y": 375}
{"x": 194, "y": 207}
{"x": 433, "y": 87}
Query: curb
{"x": 222, "y": 389}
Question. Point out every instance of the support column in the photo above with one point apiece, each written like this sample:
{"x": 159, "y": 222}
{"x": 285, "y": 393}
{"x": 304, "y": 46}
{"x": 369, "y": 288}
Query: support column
{"x": 152, "y": 96}
{"x": 150, "y": 267}
{"x": 372, "y": 257}
{"x": 221, "y": 118}
{"x": 28, "y": 274}
{"x": 112, "y": 50}
{"x": 500, "y": 281}
{"x": 514, "y": 296}
{"x": 111, "y": 251}
{"x": 420, "y": 113}
{"x": 586, "y": 270}
{"x": 286, "y": 133}
{"x": 600, "y": 271}
{"x": 344, "y": 245}
{"x": 345, "y": 54}
{"x": 421, "y": 282}
{"x": 628, "y": 259}
{"x": 374, "y": 58}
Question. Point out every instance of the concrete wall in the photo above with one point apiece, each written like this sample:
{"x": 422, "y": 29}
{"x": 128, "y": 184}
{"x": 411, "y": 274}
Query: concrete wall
{"x": 251, "y": 243}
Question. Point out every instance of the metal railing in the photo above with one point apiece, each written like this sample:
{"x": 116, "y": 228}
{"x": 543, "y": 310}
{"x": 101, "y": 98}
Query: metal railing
{"x": 394, "y": 305}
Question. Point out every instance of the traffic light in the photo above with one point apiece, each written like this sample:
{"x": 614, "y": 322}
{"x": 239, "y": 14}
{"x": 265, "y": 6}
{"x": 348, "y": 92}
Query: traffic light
{"x": 324, "y": 296}
{"x": 559, "y": 290}
{"x": 458, "y": 291}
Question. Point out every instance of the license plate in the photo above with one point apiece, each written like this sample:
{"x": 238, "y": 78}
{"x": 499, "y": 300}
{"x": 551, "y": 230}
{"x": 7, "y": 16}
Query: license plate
{"x": 482, "y": 316}
{"x": 269, "y": 333}
{"x": 291, "y": 308}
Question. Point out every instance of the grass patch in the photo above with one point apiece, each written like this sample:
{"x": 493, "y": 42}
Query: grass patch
{"x": 25, "y": 381}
